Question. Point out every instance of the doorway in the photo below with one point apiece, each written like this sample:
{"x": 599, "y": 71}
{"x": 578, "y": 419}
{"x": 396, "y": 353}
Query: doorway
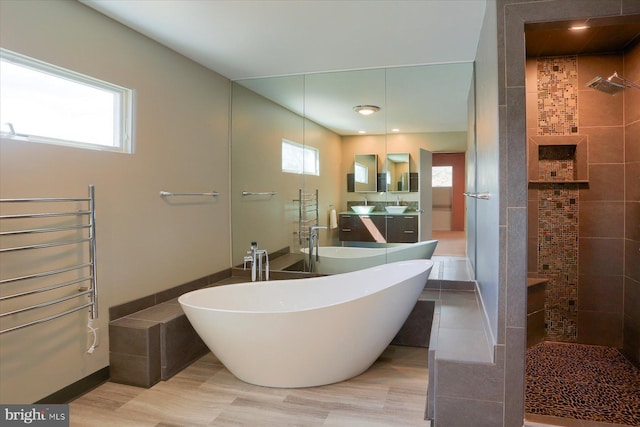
{"x": 449, "y": 203}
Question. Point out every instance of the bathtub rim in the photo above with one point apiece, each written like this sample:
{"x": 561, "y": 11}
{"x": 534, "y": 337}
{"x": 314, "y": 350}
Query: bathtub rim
{"x": 181, "y": 299}
{"x": 379, "y": 250}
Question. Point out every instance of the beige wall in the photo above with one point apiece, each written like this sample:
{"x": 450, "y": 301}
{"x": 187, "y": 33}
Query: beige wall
{"x": 144, "y": 244}
{"x": 258, "y": 128}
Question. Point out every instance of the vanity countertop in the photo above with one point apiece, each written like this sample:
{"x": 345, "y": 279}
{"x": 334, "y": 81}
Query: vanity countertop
{"x": 413, "y": 213}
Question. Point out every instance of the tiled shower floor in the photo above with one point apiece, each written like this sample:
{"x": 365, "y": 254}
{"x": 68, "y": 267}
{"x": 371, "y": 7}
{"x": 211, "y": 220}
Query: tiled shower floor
{"x": 582, "y": 382}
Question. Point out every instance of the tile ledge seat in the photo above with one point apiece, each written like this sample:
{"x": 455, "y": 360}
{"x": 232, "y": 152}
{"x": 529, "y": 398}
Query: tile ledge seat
{"x": 458, "y": 345}
{"x": 457, "y": 329}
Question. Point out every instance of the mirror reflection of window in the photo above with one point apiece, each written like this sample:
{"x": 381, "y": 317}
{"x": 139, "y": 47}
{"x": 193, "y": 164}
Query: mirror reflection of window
{"x": 397, "y": 166}
{"x": 300, "y": 159}
{"x": 361, "y": 173}
{"x": 365, "y": 173}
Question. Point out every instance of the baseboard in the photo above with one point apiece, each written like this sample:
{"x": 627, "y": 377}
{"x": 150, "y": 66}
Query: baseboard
{"x": 77, "y": 389}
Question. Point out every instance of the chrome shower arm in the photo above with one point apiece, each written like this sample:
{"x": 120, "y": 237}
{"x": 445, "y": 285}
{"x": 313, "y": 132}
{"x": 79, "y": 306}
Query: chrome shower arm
{"x": 626, "y": 82}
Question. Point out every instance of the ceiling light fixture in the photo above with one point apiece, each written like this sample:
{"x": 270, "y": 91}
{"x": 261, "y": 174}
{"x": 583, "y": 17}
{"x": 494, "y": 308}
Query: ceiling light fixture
{"x": 366, "y": 110}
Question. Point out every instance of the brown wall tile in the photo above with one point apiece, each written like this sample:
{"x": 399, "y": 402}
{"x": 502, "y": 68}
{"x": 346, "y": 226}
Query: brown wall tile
{"x": 601, "y": 219}
{"x": 606, "y": 144}
{"x": 601, "y": 257}
{"x": 599, "y": 109}
{"x": 632, "y": 215}
{"x": 632, "y": 301}
{"x": 631, "y": 344}
{"x": 532, "y": 254}
{"x": 606, "y": 182}
{"x": 603, "y": 65}
{"x": 632, "y": 142}
{"x": 631, "y": 264}
{"x": 535, "y": 328}
{"x": 535, "y": 298}
{"x": 632, "y": 96}
{"x": 600, "y": 328}
{"x": 600, "y": 293}
{"x": 632, "y": 181}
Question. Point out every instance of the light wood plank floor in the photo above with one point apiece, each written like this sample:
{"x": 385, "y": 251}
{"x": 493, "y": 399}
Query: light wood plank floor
{"x": 391, "y": 393}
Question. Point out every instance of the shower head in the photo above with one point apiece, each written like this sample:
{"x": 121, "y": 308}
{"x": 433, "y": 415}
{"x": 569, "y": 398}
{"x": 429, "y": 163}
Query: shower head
{"x": 609, "y": 86}
{"x": 605, "y": 85}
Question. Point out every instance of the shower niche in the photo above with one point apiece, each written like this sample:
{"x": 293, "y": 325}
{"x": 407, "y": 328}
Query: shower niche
{"x": 554, "y": 159}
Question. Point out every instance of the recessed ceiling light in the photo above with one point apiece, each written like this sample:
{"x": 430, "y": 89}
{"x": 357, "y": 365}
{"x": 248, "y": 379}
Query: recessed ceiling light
{"x": 578, "y": 27}
{"x": 366, "y": 110}
{"x": 362, "y": 131}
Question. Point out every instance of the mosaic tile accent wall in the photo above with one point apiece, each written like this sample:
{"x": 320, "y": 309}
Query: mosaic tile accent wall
{"x": 558, "y": 204}
{"x": 558, "y": 95}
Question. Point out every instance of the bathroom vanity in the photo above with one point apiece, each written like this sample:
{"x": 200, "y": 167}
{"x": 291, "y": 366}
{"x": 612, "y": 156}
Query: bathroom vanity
{"x": 379, "y": 227}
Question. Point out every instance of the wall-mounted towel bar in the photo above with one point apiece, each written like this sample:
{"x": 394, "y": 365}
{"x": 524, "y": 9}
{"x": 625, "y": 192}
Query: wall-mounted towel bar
{"x": 260, "y": 193}
{"x": 168, "y": 194}
{"x": 483, "y": 196}
{"x": 86, "y": 269}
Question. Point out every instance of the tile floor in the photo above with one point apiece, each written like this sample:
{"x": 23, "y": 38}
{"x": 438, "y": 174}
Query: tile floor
{"x": 391, "y": 393}
{"x": 578, "y": 385}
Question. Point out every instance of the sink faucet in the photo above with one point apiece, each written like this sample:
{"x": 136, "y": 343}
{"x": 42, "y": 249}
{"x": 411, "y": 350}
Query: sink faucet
{"x": 365, "y": 200}
{"x": 398, "y": 201}
{"x": 313, "y": 237}
{"x": 255, "y": 256}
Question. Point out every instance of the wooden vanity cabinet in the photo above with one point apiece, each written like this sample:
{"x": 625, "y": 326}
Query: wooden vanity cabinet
{"x": 361, "y": 228}
{"x": 378, "y": 228}
{"x": 402, "y": 228}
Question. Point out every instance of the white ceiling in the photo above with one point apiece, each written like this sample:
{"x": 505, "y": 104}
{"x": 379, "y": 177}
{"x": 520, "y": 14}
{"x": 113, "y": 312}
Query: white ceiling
{"x": 243, "y": 39}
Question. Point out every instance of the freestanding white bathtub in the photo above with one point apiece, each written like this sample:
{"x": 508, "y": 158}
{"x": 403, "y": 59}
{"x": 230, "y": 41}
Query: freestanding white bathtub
{"x": 306, "y": 332}
{"x": 342, "y": 259}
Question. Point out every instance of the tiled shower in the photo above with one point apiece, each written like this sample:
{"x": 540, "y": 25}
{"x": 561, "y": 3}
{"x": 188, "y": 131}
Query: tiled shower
{"x": 583, "y": 230}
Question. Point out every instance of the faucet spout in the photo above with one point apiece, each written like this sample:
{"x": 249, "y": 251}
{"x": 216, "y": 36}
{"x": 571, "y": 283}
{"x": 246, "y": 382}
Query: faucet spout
{"x": 255, "y": 258}
{"x": 313, "y": 237}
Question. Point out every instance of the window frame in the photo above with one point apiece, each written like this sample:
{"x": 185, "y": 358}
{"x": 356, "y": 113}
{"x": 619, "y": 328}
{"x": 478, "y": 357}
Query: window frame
{"x": 123, "y": 123}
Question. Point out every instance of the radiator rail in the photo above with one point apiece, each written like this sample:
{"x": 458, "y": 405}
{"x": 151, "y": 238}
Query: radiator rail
{"x": 86, "y": 246}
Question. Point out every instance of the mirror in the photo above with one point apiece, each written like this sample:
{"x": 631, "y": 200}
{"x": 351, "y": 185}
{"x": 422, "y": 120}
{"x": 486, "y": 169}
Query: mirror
{"x": 365, "y": 173}
{"x": 421, "y": 108}
{"x": 397, "y": 173}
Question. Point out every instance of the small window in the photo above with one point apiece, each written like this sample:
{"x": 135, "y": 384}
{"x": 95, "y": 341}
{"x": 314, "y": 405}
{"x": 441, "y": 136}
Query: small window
{"x": 442, "y": 176}
{"x": 40, "y": 102}
{"x": 297, "y": 158}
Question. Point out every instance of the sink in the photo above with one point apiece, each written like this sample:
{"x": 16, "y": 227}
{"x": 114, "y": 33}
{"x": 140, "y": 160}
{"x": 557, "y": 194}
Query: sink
{"x": 395, "y": 209}
{"x": 363, "y": 209}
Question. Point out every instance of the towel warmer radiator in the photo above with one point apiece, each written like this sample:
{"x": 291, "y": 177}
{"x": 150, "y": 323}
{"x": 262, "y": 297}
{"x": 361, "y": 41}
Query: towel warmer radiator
{"x": 82, "y": 223}
{"x": 308, "y": 214}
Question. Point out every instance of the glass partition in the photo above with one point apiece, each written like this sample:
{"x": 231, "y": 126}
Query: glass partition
{"x": 421, "y": 108}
